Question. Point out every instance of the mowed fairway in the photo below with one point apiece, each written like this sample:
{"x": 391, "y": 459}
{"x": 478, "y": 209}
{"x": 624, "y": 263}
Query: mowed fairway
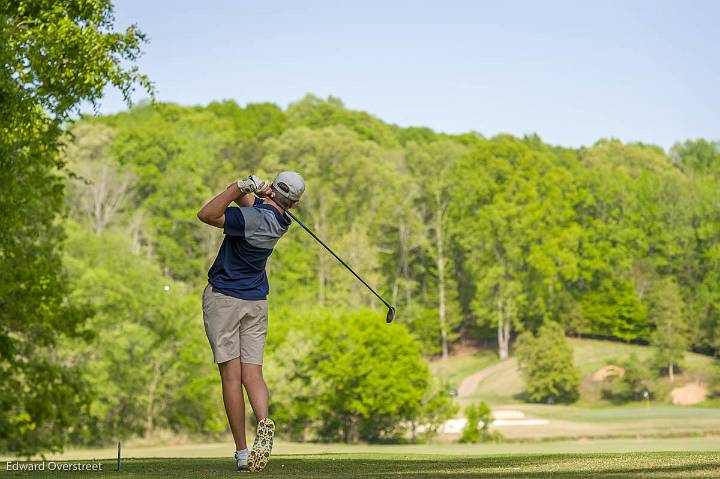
{"x": 646, "y": 465}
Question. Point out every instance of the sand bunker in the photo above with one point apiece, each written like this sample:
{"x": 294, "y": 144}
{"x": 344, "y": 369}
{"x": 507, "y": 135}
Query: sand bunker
{"x": 691, "y": 393}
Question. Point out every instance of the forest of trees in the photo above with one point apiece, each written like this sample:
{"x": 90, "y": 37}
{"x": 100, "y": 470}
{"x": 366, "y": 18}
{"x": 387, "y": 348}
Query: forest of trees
{"x": 474, "y": 239}
{"x": 471, "y": 237}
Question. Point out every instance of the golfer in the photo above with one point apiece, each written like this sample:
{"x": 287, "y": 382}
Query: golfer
{"x": 234, "y": 303}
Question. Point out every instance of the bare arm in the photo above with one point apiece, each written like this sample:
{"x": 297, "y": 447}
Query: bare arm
{"x": 213, "y": 213}
{"x": 245, "y": 200}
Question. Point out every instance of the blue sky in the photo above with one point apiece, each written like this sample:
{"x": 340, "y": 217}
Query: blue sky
{"x": 571, "y": 71}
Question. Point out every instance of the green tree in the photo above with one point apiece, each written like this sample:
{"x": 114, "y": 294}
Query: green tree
{"x": 253, "y": 123}
{"x": 514, "y": 219}
{"x": 636, "y": 217}
{"x": 701, "y": 160}
{"x": 404, "y": 245}
{"x": 433, "y": 163}
{"x": 344, "y": 177}
{"x": 697, "y": 156}
{"x": 316, "y": 113}
{"x": 55, "y": 56}
{"x": 102, "y": 190}
{"x": 546, "y": 363}
{"x": 613, "y": 308}
{"x": 668, "y": 314}
{"x": 477, "y": 428}
{"x": 178, "y": 158}
{"x": 349, "y": 376}
{"x": 471, "y": 430}
{"x": 148, "y": 365}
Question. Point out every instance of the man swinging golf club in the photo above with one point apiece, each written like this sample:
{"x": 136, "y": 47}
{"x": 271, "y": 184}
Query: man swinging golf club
{"x": 234, "y": 303}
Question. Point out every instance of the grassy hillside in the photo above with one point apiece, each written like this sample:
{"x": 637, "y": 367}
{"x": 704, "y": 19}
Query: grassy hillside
{"x": 505, "y": 385}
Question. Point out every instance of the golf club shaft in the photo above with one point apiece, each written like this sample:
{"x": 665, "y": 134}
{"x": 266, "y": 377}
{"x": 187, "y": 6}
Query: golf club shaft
{"x": 336, "y": 257}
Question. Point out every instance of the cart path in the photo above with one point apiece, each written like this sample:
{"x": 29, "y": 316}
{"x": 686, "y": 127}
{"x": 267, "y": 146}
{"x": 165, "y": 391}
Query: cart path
{"x": 470, "y": 383}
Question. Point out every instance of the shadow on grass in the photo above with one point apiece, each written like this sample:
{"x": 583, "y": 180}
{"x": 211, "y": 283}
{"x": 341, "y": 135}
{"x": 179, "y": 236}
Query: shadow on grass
{"x": 581, "y": 466}
{"x": 646, "y": 465}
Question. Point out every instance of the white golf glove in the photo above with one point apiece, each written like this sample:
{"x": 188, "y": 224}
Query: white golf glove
{"x": 251, "y": 184}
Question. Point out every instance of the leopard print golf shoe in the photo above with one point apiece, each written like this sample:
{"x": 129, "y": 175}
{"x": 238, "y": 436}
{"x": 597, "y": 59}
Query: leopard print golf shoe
{"x": 262, "y": 447}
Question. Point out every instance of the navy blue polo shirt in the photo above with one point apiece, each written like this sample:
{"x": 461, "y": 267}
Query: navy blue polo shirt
{"x": 251, "y": 232}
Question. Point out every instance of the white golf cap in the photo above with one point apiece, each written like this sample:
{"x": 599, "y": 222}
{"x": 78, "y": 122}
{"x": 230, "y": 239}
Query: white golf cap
{"x": 290, "y": 184}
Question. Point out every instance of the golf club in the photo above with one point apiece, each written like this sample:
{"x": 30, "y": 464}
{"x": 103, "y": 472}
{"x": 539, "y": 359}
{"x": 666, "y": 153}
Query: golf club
{"x": 391, "y": 309}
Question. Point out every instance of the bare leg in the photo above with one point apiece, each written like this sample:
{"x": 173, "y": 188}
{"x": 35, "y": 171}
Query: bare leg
{"x": 256, "y": 388}
{"x": 231, "y": 375}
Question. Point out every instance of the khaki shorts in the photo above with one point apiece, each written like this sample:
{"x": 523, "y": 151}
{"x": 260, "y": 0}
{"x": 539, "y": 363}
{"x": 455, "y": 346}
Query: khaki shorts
{"x": 235, "y": 327}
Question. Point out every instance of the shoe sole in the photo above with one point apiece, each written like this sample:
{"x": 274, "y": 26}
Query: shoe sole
{"x": 260, "y": 454}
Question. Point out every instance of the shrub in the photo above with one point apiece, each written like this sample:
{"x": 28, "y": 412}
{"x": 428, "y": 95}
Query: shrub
{"x": 477, "y": 429}
{"x": 546, "y": 363}
{"x": 632, "y": 385}
{"x": 347, "y": 376}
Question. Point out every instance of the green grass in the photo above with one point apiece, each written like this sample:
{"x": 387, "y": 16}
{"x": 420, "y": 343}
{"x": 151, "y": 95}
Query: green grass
{"x": 625, "y": 413}
{"x": 631, "y": 420}
{"x": 282, "y": 448}
{"x": 631, "y": 411}
{"x": 652, "y": 458}
{"x": 663, "y": 465}
{"x": 591, "y": 355}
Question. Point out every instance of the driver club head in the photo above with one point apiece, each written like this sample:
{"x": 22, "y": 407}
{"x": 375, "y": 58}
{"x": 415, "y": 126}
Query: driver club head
{"x": 390, "y": 315}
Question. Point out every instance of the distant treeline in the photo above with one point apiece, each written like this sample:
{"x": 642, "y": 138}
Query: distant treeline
{"x": 470, "y": 236}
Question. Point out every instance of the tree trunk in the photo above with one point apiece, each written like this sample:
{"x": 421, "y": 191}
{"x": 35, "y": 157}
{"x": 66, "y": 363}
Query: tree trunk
{"x": 404, "y": 260}
{"x": 503, "y": 330}
{"x": 136, "y": 232}
{"x": 108, "y": 193}
{"x": 441, "y": 278}
{"x": 350, "y": 429}
{"x": 98, "y": 200}
{"x": 671, "y": 372}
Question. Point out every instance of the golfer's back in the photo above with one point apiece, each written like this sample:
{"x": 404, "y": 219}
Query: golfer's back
{"x": 250, "y": 236}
